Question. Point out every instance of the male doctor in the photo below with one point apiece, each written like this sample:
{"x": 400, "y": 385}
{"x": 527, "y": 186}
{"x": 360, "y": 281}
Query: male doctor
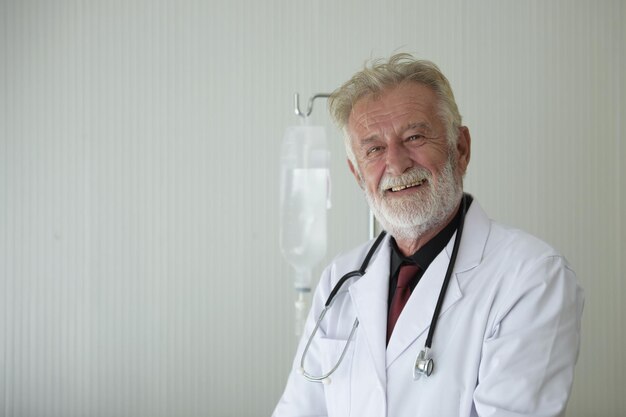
{"x": 508, "y": 329}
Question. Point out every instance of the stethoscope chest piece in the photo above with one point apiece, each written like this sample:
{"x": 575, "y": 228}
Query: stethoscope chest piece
{"x": 423, "y": 365}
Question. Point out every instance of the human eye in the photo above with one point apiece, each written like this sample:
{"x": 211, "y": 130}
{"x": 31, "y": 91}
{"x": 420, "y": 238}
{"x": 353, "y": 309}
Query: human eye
{"x": 373, "y": 151}
{"x": 416, "y": 138}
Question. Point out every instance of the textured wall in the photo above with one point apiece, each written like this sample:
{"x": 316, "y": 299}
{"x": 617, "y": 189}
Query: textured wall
{"x": 139, "y": 266}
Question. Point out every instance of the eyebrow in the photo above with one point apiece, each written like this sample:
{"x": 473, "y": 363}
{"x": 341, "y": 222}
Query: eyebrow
{"x": 417, "y": 125}
{"x": 409, "y": 126}
{"x": 365, "y": 142}
{"x": 368, "y": 140}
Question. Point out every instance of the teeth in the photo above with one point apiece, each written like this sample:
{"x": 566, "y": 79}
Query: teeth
{"x": 403, "y": 187}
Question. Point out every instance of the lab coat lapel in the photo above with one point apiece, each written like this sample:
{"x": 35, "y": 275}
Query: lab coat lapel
{"x": 369, "y": 296}
{"x": 473, "y": 241}
{"x": 417, "y": 313}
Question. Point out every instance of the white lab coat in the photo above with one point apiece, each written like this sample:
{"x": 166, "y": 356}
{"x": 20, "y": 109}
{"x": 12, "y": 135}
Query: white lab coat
{"x": 506, "y": 342}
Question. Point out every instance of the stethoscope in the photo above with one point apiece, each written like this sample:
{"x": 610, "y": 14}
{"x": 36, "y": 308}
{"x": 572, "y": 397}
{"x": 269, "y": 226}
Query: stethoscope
{"x": 424, "y": 364}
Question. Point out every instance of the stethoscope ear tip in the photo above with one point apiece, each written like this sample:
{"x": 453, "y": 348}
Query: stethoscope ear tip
{"x": 326, "y": 381}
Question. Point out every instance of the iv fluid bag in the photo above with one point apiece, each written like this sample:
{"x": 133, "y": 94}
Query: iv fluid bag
{"x": 304, "y": 200}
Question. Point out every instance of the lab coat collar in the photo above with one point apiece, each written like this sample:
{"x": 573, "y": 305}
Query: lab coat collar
{"x": 475, "y": 232}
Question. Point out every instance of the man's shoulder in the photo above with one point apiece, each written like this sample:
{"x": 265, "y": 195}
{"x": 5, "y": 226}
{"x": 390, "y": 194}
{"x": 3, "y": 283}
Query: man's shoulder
{"x": 505, "y": 240}
{"x": 514, "y": 258}
{"x": 517, "y": 243}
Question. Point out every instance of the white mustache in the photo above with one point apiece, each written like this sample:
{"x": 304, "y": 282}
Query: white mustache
{"x": 415, "y": 175}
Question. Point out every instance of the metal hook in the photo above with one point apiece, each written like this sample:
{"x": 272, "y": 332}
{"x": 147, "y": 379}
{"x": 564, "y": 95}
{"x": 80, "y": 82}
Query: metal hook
{"x": 296, "y": 100}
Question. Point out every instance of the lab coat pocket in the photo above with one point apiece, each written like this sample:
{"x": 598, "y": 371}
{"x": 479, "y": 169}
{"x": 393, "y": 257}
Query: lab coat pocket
{"x": 337, "y": 385}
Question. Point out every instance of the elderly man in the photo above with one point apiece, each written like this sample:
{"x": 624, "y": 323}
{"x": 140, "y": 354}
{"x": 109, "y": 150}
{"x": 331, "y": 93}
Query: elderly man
{"x": 451, "y": 313}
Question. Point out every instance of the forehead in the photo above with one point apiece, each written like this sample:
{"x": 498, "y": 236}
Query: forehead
{"x": 399, "y": 104}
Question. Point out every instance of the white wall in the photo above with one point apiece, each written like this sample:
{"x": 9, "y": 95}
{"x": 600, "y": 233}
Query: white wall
{"x": 139, "y": 267}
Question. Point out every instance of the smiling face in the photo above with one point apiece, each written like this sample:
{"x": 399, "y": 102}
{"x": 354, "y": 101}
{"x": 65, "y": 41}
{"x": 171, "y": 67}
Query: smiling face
{"x": 410, "y": 172}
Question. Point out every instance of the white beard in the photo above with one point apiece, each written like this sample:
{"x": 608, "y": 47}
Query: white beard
{"x": 412, "y": 216}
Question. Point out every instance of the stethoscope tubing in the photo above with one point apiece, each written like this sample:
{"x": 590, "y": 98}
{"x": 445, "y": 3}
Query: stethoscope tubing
{"x": 359, "y": 273}
{"x": 331, "y": 297}
{"x": 446, "y": 280}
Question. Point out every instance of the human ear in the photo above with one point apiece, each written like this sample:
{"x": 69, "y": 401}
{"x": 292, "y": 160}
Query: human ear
{"x": 463, "y": 147}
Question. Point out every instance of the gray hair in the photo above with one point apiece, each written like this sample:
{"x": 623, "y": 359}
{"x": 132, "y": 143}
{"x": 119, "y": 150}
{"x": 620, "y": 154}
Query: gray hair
{"x": 380, "y": 75}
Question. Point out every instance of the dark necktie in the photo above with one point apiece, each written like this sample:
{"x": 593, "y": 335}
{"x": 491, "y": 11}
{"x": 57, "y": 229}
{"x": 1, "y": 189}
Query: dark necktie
{"x": 401, "y": 295}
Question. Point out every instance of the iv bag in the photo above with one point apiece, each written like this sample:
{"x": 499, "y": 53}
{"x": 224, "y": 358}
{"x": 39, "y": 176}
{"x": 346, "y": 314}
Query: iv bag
{"x": 304, "y": 200}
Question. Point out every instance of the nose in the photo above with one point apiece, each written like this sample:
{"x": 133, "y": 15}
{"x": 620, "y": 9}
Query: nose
{"x": 398, "y": 159}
